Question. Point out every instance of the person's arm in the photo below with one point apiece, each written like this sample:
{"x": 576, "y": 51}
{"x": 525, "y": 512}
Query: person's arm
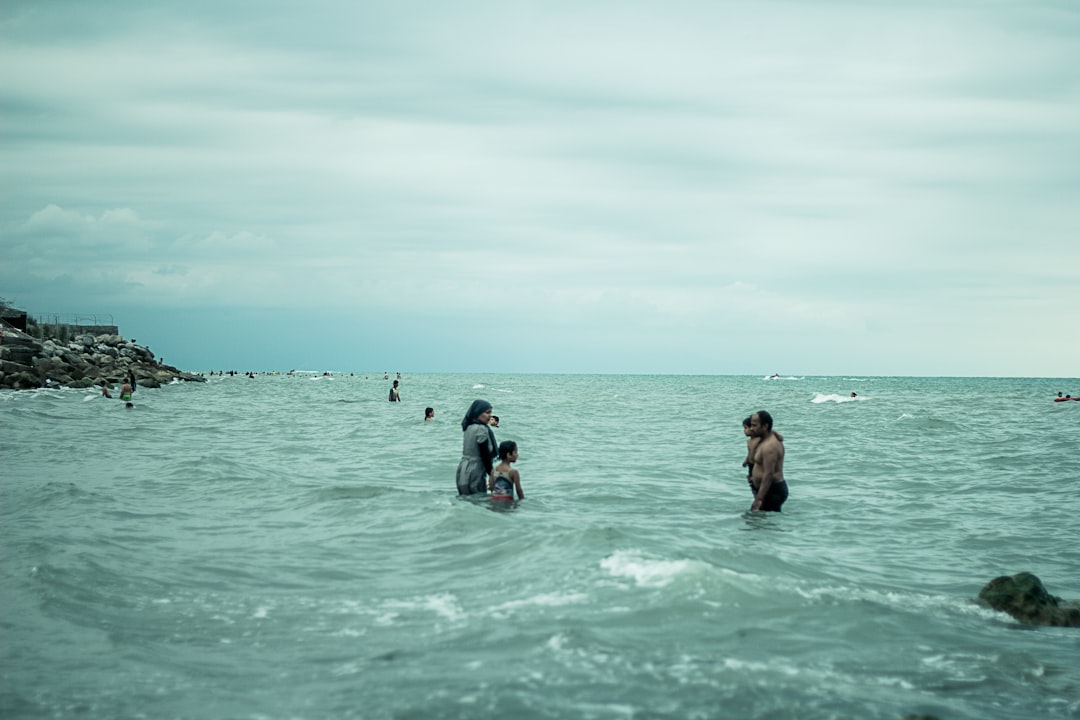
{"x": 516, "y": 477}
{"x": 769, "y": 458}
{"x": 486, "y": 454}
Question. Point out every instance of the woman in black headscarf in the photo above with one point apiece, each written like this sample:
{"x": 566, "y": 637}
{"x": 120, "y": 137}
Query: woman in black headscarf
{"x": 478, "y": 449}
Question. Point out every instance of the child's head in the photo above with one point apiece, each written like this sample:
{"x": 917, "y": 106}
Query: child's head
{"x": 507, "y": 448}
{"x": 746, "y": 426}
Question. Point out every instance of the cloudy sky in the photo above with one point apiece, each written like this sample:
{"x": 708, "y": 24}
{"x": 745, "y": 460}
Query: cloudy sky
{"x": 832, "y": 187}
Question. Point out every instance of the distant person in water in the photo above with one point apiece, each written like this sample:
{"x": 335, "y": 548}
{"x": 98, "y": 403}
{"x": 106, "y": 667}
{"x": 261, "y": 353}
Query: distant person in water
{"x": 751, "y": 443}
{"x": 770, "y": 488}
{"x": 131, "y": 381}
{"x": 854, "y": 395}
{"x": 129, "y": 406}
{"x": 504, "y": 478}
{"x": 105, "y": 390}
{"x": 125, "y": 391}
{"x": 478, "y": 448}
{"x": 429, "y": 414}
{"x": 494, "y": 421}
{"x": 394, "y": 395}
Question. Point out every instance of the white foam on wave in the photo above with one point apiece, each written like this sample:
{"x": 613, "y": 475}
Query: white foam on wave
{"x": 821, "y": 676}
{"x": 553, "y": 599}
{"x": 823, "y": 398}
{"x": 478, "y": 386}
{"x": 961, "y": 667}
{"x": 445, "y": 606}
{"x": 644, "y": 572}
{"x": 902, "y": 601}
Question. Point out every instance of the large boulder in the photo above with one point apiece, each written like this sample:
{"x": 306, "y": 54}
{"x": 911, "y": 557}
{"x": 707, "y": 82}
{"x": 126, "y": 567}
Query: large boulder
{"x": 1025, "y": 598}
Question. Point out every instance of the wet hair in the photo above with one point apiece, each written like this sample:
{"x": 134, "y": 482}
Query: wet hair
{"x": 506, "y": 447}
{"x": 428, "y": 412}
{"x": 764, "y": 418}
{"x": 746, "y": 422}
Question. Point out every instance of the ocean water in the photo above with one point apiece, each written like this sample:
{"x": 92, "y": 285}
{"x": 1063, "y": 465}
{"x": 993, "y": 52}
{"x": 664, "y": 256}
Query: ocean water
{"x": 293, "y": 547}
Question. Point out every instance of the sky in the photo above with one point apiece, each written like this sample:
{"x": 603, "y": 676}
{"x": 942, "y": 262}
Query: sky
{"x": 829, "y": 187}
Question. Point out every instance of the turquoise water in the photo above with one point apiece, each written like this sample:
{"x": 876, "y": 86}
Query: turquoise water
{"x": 293, "y": 547}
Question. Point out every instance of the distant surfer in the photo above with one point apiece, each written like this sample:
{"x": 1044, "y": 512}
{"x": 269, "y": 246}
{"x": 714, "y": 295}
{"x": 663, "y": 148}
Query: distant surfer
{"x": 767, "y": 476}
{"x": 478, "y": 448}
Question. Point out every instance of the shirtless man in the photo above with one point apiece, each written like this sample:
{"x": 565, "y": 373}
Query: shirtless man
{"x": 770, "y": 490}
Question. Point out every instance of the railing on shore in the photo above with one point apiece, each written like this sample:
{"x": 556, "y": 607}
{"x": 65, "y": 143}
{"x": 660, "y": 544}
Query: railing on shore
{"x": 64, "y": 326}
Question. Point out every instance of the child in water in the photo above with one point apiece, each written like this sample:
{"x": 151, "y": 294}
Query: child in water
{"x": 505, "y": 479}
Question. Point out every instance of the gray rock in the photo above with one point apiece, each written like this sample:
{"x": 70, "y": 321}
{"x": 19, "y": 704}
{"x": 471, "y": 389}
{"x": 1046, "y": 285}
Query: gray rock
{"x": 1025, "y": 598}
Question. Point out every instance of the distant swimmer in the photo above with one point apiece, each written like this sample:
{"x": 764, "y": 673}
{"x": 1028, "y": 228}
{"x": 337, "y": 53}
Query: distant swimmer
{"x": 125, "y": 391}
{"x": 770, "y": 488}
{"x": 395, "y": 396}
{"x": 854, "y": 395}
{"x": 429, "y": 414}
{"x": 504, "y": 478}
{"x": 105, "y": 390}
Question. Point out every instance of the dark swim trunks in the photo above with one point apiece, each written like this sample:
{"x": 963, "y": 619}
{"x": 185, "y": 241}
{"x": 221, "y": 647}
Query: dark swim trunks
{"x": 776, "y": 496}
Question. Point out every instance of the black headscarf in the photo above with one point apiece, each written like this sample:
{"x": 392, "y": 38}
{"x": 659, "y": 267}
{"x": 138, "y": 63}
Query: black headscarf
{"x": 479, "y": 406}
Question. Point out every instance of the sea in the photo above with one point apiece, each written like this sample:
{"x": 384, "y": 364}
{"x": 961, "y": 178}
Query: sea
{"x": 293, "y": 546}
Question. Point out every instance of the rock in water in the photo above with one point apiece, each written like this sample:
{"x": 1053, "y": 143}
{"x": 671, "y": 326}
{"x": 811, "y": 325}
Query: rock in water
{"x": 1025, "y": 598}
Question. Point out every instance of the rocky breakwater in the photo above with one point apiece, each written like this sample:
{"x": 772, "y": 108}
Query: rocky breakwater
{"x": 86, "y": 360}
